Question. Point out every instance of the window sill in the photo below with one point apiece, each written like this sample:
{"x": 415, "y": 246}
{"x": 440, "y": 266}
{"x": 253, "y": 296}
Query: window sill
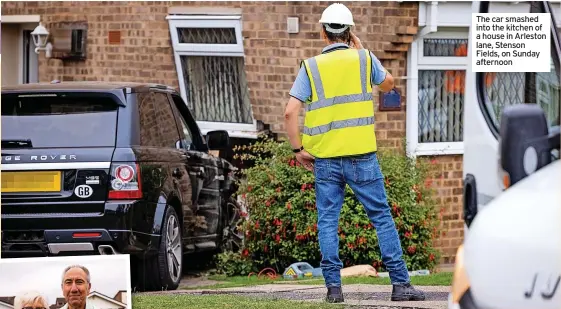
{"x": 439, "y": 149}
{"x": 238, "y": 130}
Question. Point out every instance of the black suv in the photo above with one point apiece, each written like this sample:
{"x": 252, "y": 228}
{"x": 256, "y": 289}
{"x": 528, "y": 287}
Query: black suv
{"x": 113, "y": 168}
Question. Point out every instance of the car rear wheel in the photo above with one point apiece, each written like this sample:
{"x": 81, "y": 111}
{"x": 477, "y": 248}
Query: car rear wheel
{"x": 164, "y": 270}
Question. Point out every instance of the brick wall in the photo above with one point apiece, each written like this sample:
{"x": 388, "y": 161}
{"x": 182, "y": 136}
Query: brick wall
{"x": 447, "y": 180}
{"x": 272, "y": 60}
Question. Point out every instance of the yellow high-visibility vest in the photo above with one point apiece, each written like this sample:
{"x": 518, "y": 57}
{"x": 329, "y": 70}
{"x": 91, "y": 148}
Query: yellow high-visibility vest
{"x": 340, "y": 114}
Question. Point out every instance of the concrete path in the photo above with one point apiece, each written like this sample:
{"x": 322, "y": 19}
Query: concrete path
{"x": 360, "y": 295}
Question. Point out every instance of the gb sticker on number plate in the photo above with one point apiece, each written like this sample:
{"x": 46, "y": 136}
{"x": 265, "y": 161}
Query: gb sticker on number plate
{"x": 83, "y": 191}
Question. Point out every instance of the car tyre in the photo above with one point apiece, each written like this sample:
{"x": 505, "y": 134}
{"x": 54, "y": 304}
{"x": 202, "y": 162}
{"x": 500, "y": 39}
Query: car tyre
{"x": 232, "y": 236}
{"x": 163, "y": 271}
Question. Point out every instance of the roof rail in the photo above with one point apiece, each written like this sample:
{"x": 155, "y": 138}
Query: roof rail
{"x": 163, "y": 87}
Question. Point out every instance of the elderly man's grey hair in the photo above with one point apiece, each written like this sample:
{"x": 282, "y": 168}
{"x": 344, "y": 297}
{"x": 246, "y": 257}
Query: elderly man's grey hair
{"x": 30, "y": 298}
{"x": 77, "y": 266}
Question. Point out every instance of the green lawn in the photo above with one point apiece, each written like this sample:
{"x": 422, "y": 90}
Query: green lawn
{"x": 440, "y": 279}
{"x": 221, "y": 301}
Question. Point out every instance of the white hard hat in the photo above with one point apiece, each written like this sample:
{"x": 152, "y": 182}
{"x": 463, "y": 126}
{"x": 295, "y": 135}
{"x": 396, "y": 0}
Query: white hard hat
{"x": 337, "y": 13}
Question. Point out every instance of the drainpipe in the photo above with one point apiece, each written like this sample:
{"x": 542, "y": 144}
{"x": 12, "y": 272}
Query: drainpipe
{"x": 432, "y": 24}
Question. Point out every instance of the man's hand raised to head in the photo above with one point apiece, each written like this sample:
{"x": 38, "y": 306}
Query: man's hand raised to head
{"x": 355, "y": 42}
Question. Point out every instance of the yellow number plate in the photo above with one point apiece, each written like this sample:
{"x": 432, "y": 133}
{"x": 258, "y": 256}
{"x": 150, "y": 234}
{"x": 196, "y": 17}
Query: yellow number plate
{"x": 48, "y": 181}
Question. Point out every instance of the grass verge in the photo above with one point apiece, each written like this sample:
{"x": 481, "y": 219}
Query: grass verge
{"x": 221, "y": 301}
{"x": 438, "y": 279}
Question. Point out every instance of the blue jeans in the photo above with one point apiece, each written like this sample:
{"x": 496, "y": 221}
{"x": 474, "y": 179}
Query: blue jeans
{"x": 362, "y": 173}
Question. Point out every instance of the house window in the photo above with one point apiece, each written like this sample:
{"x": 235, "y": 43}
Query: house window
{"x": 436, "y": 88}
{"x": 209, "y": 57}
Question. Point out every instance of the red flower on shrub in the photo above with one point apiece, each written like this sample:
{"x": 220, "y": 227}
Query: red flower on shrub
{"x": 277, "y": 238}
{"x": 279, "y": 189}
{"x": 256, "y": 224}
{"x": 243, "y": 214}
{"x": 304, "y": 187}
{"x": 288, "y": 206}
{"x": 431, "y": 257}
{"x": 245, "y": 252}
{"x": 249, "y": 188}
{"x": 395, "y": 208}
{"x": 268, "y": 203}
{"x": 351, "y": 246}
{"x": 411, "y": 249}
{"x": 408, "y": 234}
{"x": 419, "y": 197}
{"x": 310, "y": 186}
{"x": 291, "y": 162}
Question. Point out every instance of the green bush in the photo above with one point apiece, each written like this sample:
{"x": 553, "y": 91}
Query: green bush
{"x": 281, "y": 228}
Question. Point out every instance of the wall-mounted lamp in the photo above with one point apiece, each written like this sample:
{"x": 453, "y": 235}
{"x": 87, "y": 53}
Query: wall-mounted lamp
{"x": 40, "y": 35}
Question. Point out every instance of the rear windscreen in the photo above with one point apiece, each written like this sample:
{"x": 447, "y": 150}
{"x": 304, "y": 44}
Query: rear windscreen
{"x": 61, "y": 120}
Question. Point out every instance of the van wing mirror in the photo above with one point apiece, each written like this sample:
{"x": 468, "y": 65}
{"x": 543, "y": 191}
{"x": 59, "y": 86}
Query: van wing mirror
{"x": 525, "y": 143}
{"x": 218, "y": 140}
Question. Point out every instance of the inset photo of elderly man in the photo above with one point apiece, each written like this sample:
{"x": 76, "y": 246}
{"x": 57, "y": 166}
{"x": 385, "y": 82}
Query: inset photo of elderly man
{"x": 86, "y": 282}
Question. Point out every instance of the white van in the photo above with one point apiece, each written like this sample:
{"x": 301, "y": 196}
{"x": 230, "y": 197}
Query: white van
{"x": 511, "y": 256}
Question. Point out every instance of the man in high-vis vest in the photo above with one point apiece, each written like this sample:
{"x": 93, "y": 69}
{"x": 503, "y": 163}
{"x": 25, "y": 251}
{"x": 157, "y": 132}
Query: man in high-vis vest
{"x": 339, "y": 145}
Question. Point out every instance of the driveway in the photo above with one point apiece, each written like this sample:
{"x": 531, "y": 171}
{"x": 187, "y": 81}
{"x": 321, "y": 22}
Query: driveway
{"x": 356, "y": 295}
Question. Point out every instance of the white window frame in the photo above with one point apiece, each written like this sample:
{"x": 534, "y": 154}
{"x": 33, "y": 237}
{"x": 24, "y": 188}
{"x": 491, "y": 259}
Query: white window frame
{"x": 184, "y": 49}
{"x": 416, "y": 62}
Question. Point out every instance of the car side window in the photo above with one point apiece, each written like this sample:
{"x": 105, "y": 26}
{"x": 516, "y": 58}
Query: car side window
{"x": 189, "y": 124}
{"x": 157, "y": 124}
{"x": 185, "y": 133}
{"x": 502, "y": 89}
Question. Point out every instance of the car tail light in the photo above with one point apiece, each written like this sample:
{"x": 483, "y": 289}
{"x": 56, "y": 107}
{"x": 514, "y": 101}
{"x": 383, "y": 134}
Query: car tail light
{"x": 86, "y": 235}
{"x": 125, "y": 181}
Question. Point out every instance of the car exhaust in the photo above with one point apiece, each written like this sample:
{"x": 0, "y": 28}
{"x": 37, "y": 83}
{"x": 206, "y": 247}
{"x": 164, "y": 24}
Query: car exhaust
{"x": 106, "y": 250}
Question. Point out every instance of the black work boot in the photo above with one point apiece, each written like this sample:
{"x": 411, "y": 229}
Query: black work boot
{"x": 334, "y": 295}
{"x": 406, "y": 292}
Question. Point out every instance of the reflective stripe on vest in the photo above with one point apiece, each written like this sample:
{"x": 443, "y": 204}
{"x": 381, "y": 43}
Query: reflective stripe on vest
{"x": 339, "y": 119}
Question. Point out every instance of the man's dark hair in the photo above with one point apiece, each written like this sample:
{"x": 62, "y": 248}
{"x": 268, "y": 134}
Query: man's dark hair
{"x": 344, "y": 36}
